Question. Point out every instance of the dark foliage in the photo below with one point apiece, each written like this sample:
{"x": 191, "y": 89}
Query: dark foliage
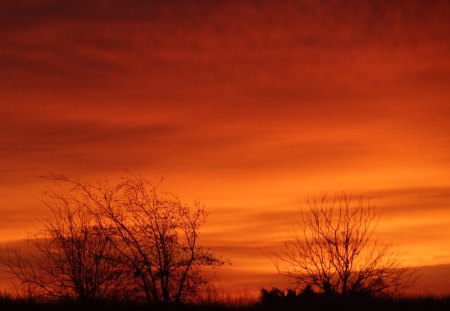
{"x": 307, "y": 299}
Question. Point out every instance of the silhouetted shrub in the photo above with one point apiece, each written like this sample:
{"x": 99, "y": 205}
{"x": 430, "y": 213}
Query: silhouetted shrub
{"x": 271, "y": 296}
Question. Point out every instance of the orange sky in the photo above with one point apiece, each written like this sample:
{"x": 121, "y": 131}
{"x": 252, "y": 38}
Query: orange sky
{"x": 248, "y": 106}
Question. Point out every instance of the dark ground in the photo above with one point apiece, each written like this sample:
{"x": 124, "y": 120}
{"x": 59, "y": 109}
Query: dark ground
{"x": 312, "y": 303}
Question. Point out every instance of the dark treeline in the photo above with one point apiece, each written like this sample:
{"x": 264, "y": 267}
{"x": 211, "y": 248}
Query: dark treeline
{"x": 128, "y": 246}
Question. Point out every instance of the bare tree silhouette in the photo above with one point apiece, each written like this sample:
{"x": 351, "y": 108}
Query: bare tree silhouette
{"x": 159, "y": 240}
{"x": 335, "y": 252}
{"x": 69, "y": 257}
{"x": 105, "y": 239}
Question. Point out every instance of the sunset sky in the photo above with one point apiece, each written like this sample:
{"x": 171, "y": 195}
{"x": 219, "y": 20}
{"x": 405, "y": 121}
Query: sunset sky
{"x": 248, "y": 106}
